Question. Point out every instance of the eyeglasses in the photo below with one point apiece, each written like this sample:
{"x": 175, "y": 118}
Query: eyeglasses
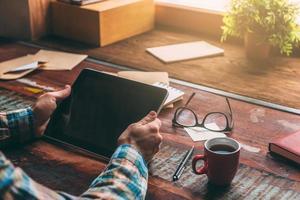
{"x": 213, "y": 121}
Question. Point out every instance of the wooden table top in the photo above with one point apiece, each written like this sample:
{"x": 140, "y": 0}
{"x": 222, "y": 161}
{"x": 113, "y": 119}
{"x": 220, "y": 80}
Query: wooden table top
{"x": 276, "y": 81}
{"x": 260, "y": 175}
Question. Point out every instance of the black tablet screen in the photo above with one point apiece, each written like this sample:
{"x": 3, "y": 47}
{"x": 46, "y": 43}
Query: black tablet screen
{"x": 100, "y": 108}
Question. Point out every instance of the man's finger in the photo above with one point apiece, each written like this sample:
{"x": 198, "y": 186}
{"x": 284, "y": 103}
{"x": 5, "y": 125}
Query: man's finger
{"x": 155, "y": 124}
{"x": 148, "y": 118}
{"x": 61, "y": 94}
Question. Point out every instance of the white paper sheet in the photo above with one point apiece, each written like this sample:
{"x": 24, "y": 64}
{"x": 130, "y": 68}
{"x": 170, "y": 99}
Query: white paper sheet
{"x": 202, "y": 134}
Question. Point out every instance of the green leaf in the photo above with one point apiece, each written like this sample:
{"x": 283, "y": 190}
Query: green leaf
{"x": 275, "y": 20}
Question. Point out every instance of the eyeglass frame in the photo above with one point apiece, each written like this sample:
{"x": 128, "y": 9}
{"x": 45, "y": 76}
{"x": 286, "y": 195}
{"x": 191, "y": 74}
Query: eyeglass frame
{"x": 197, "y": 124}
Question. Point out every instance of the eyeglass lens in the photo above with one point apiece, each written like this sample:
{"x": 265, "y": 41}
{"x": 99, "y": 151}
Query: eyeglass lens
{"x": 185, "y": 117}
{"x": 212, "y": 121}
{"x": 215, "y": 122}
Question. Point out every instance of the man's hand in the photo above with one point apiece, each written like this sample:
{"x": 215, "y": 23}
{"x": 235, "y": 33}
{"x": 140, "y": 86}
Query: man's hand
{"x": 44, "y": 107}
{"x": 144, "y": 136}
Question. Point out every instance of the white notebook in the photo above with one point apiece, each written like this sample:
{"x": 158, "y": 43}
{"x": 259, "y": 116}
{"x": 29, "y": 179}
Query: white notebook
{"x": 173, "y": 93}
{"x": 185, "y": 51}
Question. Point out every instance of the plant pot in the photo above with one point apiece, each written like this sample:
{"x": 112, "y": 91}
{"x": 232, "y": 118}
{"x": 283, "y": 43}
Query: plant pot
{"x": 255, "y": 48}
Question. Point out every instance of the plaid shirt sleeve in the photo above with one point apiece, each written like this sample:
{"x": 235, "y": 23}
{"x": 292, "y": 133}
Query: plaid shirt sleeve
{"x": 124, "y": 178}
{"x": 16, "y": 126}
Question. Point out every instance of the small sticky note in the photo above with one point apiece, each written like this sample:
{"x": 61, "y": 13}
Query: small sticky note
{"x": 202, "y": 134}
{"x": 33, "y": 90}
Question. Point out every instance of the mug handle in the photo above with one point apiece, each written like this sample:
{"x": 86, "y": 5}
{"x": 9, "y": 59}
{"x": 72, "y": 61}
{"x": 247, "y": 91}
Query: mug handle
{"x": 201, "y": 170}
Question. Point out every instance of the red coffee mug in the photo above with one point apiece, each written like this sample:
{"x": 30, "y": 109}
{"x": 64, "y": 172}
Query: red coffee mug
{"x": 221, "y": 160}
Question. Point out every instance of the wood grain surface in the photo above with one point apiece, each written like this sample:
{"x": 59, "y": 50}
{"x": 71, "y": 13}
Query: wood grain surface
{"x": 276, "y": 80}
{"x": 260, "y": 175}
{"x": 27, "y": 19}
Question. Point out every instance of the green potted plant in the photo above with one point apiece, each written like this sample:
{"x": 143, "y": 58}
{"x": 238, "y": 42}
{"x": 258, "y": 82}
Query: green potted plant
{"x": 263, "y": 24}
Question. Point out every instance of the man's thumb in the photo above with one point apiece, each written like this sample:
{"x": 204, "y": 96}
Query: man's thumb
{"x": 61, "y": 94}
{"x": 148, "y": 118}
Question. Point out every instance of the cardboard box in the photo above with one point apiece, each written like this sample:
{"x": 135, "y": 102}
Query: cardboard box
{"x": 103, "y": 23}
{"x": 25, "y": 19}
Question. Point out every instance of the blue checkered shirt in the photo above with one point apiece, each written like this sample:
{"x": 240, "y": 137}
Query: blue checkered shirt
{"x": 125, "y": 177}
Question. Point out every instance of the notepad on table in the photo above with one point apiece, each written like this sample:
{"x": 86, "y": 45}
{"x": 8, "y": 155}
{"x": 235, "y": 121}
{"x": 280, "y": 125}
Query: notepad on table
{"x": 145, "y": 77}
{"x": 287, "y": 146}
{"x": 185, "y": 51}
{"x": 173, "y": 93}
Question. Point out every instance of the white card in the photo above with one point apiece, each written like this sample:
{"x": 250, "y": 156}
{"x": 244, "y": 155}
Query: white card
{"x": 185, "y": 51}
{"x": 202, "y": 134}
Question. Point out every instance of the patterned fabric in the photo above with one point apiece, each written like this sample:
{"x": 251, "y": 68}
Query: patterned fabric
{"x": 16, "y": 126}
{"x": 124, "y": 178}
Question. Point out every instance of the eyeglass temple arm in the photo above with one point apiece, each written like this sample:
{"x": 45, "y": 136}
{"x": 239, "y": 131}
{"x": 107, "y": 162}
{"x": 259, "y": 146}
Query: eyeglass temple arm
{"x": 229, "y": 109}
{"x": 187, "y": 102}
{"x": 190, "y": 98}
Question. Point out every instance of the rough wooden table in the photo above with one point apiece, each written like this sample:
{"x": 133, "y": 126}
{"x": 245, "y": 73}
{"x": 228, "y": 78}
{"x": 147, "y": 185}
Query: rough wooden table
{"x": 260, "y": 175}
{"x": 276, "y": 80}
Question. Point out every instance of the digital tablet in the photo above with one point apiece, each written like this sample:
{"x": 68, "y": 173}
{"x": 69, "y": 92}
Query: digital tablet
{"x": 99, "y": 109}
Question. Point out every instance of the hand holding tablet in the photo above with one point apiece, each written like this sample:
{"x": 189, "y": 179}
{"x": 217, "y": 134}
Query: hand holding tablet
{"x": 144, "y": 135}
{"x": 45, "y": 106}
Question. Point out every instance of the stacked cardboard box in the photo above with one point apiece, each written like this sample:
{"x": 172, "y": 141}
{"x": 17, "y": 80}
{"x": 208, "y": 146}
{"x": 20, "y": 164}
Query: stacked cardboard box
{"x": 102, "y": 23}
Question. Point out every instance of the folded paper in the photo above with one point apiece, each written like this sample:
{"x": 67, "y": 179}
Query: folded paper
{"x": 18, "y": 67}
{"x": 58, "y": 60}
